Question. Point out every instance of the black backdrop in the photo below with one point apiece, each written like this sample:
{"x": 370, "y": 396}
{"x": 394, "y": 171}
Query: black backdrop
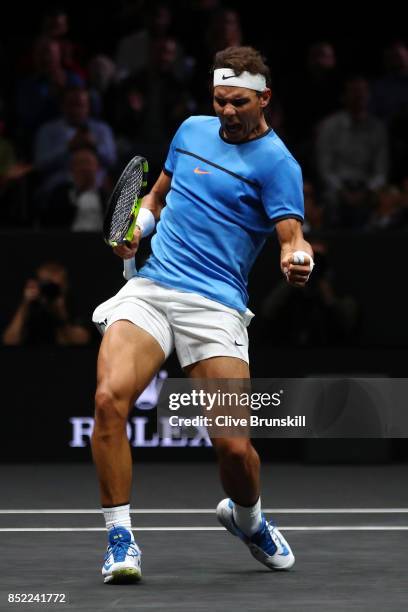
{"x": 42, "y": 389}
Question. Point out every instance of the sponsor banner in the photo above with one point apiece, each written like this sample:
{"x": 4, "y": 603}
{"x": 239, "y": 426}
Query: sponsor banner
{"x": 144, "y": 428}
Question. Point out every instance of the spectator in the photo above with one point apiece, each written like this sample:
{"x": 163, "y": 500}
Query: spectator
{"x": 39, "y": 94}
{"x": 43, "y": 316}
{"x": 135, "y": 51}
{"x": 78, "y": 204}
{"x": 75, "y": 128}
{"x": 352, "y": 157}
{"x": 390, "y": 92}
{"x": 389, "y": 101}
{"x": 309, "y": 96}
{"x": 55, "y": 25}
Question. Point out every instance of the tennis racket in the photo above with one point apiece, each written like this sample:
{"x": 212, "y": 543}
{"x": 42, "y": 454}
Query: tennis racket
{"x": 123, "y": 208}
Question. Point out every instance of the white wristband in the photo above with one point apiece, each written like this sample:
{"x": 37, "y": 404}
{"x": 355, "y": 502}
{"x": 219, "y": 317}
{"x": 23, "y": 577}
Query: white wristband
{"x": 146, "y": 221}
{"x": 299, "y": 258}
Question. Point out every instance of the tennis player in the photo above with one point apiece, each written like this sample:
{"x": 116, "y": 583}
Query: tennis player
{"x": 228, "y": 182}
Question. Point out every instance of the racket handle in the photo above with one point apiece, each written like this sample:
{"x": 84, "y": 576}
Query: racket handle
{"x": 129, "y": 268}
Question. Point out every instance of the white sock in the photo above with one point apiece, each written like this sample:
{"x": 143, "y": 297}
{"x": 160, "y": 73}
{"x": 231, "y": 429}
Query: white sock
{"x": 118, "y": 516}
{"x": 249, "y": 518}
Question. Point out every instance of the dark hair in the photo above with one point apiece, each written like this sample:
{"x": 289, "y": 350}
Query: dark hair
{"x": 241, "y": 59}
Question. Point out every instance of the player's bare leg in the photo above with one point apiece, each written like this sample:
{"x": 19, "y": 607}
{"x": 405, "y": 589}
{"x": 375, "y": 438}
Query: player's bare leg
{"x": 239, "y": 466}
{"x": 238, "y": 461}
{"x": 128, "y": 359}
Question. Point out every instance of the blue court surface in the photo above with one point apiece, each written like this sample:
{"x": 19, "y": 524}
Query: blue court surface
{"x": 347, "y": 526}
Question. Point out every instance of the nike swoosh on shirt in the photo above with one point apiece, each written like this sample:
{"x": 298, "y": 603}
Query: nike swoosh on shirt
{"x": 238, "y": 344}
{"x": 198, "y": 171}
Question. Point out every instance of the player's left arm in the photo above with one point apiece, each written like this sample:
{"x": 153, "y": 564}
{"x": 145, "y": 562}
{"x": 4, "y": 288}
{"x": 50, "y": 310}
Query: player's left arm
{"x": 296, "y": 253}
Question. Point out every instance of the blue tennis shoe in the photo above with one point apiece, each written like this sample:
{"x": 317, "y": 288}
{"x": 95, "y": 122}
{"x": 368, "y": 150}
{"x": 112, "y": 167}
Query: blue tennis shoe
{"x": 123, "y": 558}
{"x": 267, "y": 545}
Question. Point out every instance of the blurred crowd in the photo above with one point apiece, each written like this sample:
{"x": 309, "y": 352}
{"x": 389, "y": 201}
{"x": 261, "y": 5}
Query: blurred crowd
{"x": 71, "y": 118}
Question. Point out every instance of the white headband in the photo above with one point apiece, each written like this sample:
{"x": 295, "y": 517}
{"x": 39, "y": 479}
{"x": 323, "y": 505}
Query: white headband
{"x": 226, "y": 77}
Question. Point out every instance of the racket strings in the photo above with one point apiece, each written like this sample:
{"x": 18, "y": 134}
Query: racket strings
{"x": 129, "y": 193}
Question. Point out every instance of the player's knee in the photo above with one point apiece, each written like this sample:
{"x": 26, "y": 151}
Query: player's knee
{"x": 232, "y": 450}
{"x": 110, "y": 411}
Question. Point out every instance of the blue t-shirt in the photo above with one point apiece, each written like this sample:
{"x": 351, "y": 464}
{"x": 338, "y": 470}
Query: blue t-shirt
{"x": 223, "y": 203}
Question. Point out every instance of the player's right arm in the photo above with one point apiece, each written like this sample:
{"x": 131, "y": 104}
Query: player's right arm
{"x": 293, "y": 244}
{"x": 153, "y": 201}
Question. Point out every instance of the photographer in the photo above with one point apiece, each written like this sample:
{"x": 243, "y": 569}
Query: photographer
{"x": 42, "y": 317}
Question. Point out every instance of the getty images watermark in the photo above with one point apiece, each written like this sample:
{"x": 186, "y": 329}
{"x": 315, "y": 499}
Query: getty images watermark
{"x": 332, "y": 407}
{"x": 227, "y": 407}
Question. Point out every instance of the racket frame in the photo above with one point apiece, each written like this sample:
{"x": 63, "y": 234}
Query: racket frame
{"x": 128, "y": 237}
{"x": 129, "y": 265}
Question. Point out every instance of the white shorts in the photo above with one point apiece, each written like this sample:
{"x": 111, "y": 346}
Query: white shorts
{"x": 196, "y": 326}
